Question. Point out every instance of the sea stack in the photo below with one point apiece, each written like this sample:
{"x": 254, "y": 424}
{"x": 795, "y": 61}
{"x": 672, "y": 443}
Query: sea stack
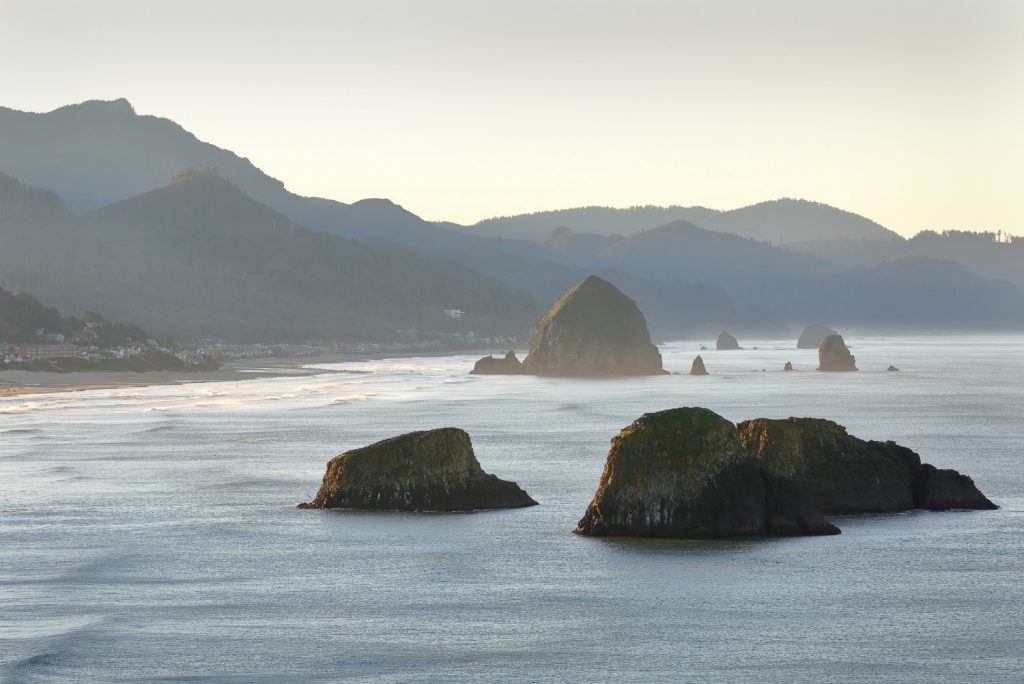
{"x": 892, "y": 369}
{"x": 507, "y": 365}
{"x": 698, "y": 367}
{"x": 840, "y": 473}
{"x": 813, "y": 335}
{"x": 431, "y": 470}
{"x": 788, "y": 366}
{"x": 834, "y": 356}
{"x": 683, "y": 473}
{"x": 726, "y": 342}
{"x": 593, "y": 330}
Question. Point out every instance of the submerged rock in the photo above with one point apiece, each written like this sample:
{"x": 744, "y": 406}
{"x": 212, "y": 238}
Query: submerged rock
{"x": 788, "y": 366}
{"x": 840, "y": 473}
{"x": 813, "y": 335}
{"x": 726, "y": 342}
{"x": 834, "y": 356}
{"x": 431, "y": 470}
{"x": 508, "y": 365}
{"x": 698, "y": 367}
{"x": 683, "y": 473}
{"x": 593, "y": 329}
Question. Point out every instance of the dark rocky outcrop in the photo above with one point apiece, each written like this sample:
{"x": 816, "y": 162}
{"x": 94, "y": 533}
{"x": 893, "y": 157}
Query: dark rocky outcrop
{"x": 507, "y": 365}
{"x": 698, "y": 367}
{"x": 432, "y": 470}
{"x": 892, "y": 369}
{"x": 834, "y": 356}
{"x": 593, "y": 329}
{"x": 788, "y": 366}
{"x": 840, "y": 473}
{"x": 726, "y": 342}
{"x": 813, "y": 335}
{"x": 683, "y": 473}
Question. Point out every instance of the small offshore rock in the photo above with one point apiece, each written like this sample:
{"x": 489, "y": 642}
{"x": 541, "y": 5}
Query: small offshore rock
{"x": 431, "y": 470}
{"x": 813, "y": 335}
{"x": 698, "y": 367}
{"x": 726, "y": 342}
{"x": 788, "y": 366}
{"x": 834, "y": 356}
{"x": 892, "y": 369}
{"x": 507, "y": 365}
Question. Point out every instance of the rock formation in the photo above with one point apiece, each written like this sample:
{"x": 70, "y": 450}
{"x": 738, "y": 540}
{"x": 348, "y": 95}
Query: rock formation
{"x": 683, "y": 473}
{"x": 593, "y": 329}
{"x": 726, "y": 342}
{"x": 698, "y": 367}
{"x": 432, "y": 470}
{"x": 813, "y": 335}
{"x": 892, "y": 369}
{"x": 840, "y": 473}
{"x": 834, "y": 356}
{"x": 508, "y": 365}
{"x": 788, "y": 366}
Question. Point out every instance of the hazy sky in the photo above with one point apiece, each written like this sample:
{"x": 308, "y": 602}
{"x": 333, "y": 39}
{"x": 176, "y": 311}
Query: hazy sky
{"x": 911, "y": 113}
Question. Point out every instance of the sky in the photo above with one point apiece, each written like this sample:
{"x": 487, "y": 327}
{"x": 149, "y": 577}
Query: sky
{"x": 910, "y": 113}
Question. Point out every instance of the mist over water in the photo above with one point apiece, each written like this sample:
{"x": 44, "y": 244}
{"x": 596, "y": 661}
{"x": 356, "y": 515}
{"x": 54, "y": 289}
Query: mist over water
{"x": 151, "y": 533}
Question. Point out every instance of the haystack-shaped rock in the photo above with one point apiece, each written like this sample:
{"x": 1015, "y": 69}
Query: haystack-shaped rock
{"x": 432, "y": 470}
{"x": 698, "y": 367}
{"x": 593, "y": 330}
{"x": 726, "y": 342}
{"x": 813, "y": 335}
{"x": 843, "y": 474}
{"x": 834, "y": 356}
{"x": 683, "y": 473}
{"x": 507, "y": 365}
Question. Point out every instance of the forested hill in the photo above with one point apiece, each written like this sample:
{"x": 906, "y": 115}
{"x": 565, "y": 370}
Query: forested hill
{"x": 199, "y": 258}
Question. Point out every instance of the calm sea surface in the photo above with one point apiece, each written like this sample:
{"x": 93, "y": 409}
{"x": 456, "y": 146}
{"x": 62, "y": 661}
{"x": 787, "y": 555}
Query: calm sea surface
{"x": 152, "y": 534}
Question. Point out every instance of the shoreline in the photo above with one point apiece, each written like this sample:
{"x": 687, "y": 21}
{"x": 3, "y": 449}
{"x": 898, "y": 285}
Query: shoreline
{"x": 15, "y": 383}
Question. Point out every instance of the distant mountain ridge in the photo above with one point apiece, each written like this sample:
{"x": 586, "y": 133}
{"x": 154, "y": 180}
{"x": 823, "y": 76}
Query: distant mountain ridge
{"x": 778, "y": 222}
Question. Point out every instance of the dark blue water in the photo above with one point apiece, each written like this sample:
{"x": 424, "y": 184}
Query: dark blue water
{"x": 151, "y": 534}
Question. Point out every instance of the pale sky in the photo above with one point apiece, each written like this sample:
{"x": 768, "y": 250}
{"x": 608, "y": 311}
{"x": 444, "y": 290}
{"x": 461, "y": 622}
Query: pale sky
{"x": 911, "y": 113}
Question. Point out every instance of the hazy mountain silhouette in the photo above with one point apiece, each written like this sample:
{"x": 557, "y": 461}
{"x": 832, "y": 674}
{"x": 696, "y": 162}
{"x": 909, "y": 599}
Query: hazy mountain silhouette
{"x": 779, "y": 221}
{"x": 199, "y": 258}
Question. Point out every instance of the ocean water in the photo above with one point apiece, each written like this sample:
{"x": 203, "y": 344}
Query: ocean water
{"x": 151, "y": 533}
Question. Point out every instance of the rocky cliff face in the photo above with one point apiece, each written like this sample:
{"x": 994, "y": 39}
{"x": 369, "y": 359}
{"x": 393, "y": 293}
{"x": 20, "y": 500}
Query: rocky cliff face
{"x": 843, "y": 474}
{"x": 684, "y": 473}
{"x": 433, "y": 470}
{"x": 813, "y": 335}
{"x": 726, "y": 342}
{"x": 507, "y": 365}
{"x": 834, "y": 356}
{"x": 593, "y": 330}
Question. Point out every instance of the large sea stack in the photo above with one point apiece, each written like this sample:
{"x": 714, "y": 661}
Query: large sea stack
{"x": 683, "y": 473}
{"x": 726, "y": 342}
{"x": 813, "y": 335}
{"x": 843, "y": 474}
{"x": 593, "y": 330}
{"x": 506, "y": 365}
{"x": 834, "y": 356}
{"x": 432, "y": 470}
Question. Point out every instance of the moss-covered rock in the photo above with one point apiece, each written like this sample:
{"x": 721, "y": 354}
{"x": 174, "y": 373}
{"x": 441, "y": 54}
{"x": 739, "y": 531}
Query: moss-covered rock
{"x": 432, "y": 470}
{"x": 698, "y": 368}
{"x": 593, "y": 329}
{"x": 813, "y": 335}
{"x": 726, "y": 342}
{"x": 683, "y": 473}
{"x": 507, "y": 365}
{"x": 843, "y": 474}
{"x": 834, "y": 356}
